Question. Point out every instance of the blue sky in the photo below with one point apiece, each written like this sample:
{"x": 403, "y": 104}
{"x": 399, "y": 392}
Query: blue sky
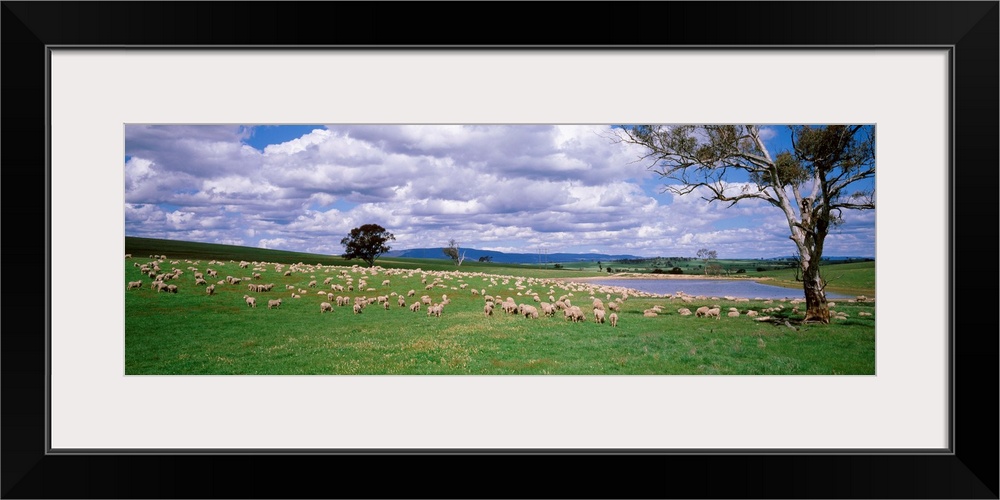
{"x": 510, "y": 188}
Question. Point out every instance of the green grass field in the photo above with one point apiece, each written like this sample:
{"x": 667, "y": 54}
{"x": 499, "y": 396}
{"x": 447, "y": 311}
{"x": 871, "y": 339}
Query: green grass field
{"x": 190, "y": 332}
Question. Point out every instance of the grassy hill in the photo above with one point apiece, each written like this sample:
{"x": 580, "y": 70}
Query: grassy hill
{"x": 194, "y": 332}
{"x": 144, "y": 247}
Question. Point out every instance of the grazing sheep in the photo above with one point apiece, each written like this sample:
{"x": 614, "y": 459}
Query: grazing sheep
{"x": 324, "y": 307}
{"x": 649, "y": 314}
{"x": 509, "y": 307}
{"x": 715, "y": 311}
{"x": 426, "y": 299}
{"x": 613, "y": 318}
{"x": 200, "y": 281}
{"x": 864, "y": 313}
{"x": 134, "y": 284}
{"x": 386, "y": 305}
{"x": 401, "y": 301}
{"x": 251, "y": 302}
{"x": 488, "y": 309}
{"x": 415, "y": 307}
{"x": 210, "y": 290}
{"x": 529, "y": 311}
{"x": 411, "y": 293}
{"x": 598, "y": 315}
{"x": 274, "y": 303}
{"x": 296, "y": 296}
{"x": 752, "y": 313}
{"x": 574, "y": 314}
{"x": 701, "y": 311}
{"x": 733, "y": 314}
{"x": 435, "y": 310}
{"x": 358, "y": 308}
{"x": 385, "y": 283}
{"x": 548, "y": 309}
{"x": 684, "y": 311}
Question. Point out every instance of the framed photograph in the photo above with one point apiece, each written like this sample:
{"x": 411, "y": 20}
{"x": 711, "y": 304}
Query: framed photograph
{"x": 103, "y": 84}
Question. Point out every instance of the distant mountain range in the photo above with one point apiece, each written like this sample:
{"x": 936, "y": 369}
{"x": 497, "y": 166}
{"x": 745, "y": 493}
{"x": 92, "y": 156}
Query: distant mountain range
{"x": 473, "y": 255}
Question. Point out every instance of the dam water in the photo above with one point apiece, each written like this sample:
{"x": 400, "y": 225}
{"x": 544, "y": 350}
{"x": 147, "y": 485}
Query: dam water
{"x": 711, "y": 288}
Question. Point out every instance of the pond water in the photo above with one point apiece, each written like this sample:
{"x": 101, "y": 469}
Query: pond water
{"x": 712, "y": 288}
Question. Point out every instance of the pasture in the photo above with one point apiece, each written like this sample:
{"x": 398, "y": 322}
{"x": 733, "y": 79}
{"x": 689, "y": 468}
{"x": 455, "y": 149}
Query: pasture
{"x": 191, "y": 332}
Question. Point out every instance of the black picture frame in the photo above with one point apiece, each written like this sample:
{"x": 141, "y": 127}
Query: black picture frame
{"x": 969, "y": 28}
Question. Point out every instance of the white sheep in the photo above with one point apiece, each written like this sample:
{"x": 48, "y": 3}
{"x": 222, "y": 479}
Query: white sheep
{"x": 273, "y": 303}
{"x": 684, "y": 311}
{"x": 358, "y": 308}
{"x": 324, "y": 307}
{"x": 574, "y": 314}
{"x": 210, "y": 290}
{"x": 529, "y": 311}
{"x": 134, "y": 284}
{"x": 598, "y": 315}
{"x": 701, "y": 311}
{"x": 613, "y": 318}
{"x": 251, "y": 302}
{"x": 715, "y": 311}
{"x": 548, "y": 309}
{"x": 488, "y": 309}
{"x": 415, "y": 307}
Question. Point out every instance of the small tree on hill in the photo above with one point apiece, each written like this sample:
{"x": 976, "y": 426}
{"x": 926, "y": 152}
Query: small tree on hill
{"x": 367, "y": 243}
{"x": 452, "y": 251}
{"x": 707, "y": 255}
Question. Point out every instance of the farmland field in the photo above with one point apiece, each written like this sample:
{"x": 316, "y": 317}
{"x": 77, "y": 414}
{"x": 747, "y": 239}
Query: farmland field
{"x": 192, "y": 332}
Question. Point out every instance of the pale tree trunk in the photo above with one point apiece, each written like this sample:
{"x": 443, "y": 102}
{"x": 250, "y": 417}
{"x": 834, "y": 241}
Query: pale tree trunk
{"x": 810, "y": 245}
{"x": 817, "y": 308}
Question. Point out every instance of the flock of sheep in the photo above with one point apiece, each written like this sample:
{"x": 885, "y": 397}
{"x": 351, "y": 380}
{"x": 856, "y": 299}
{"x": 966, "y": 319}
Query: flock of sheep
{"x": 535, "y": 298}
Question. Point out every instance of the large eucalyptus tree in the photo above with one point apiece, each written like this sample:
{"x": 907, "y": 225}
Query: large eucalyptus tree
{"x": 826, "y": 171}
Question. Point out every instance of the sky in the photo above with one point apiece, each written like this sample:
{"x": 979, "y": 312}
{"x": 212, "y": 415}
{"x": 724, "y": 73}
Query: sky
{"x": 507, "y": 188}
